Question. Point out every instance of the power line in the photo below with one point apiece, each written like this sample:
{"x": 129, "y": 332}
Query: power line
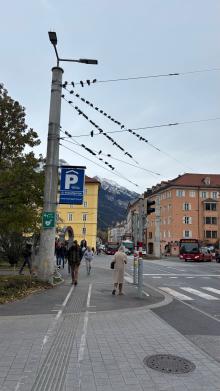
{"x": 101, "y": 131}
{"x": 95, "y": 81}
{"x": 107, "y": 155}
{"x": 113, "y": 172}
{"x": 106, "y": 115}
{"x": 153, "y": 126}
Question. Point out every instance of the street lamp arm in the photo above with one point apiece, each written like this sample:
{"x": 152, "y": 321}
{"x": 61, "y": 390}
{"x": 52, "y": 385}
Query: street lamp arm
{"x": 81, "y": 60}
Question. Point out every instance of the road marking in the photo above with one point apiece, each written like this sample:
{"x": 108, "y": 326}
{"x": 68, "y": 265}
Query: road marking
{"x": 181, "y": 275}
{"x": 176, "y": 294}
{"x": 89, "y": 295}
{"x": 156, "y": 277}
{"x": 85, "y": 325}
{"x": 190, "y": 277}
{"x": 199, "y": 293}
{"x": 173, "y": 277}
{"x": 213, "y": 290}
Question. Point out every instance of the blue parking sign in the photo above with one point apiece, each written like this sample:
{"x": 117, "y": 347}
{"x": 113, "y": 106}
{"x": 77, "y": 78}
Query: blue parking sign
{"x": 72, "y": 185}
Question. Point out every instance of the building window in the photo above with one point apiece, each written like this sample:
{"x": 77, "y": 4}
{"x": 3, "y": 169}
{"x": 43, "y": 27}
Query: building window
{"x": 204, "y": 194}
{"x": 210, "y": 220}
{"x": 71, "y": 206}
{"x": 85, "y": 204}
{"x": 69, "y": 216}
{"x": 164, "y": 234}
{"x": 150, "y": 235}
{"x": 180, "y": 193}
{"x": 192, "y": 193}
{"x": 84, "y": 231}
{"x": 210, "y": 206}
{"x": 169, "y": 206}
{"x": 84, "y": 217}
{"x": 187, "y": 220}
{"x": 85, "y": 191}
{"x": 187, "y": 234}
{"x": 211, "y": 234}
{"x": 168, "y": 194}
{"x": 169, "y": 220}
{"x": 168, "y": 234}
{"x": 186, "y": 206}
{"x": 214, "y": 194}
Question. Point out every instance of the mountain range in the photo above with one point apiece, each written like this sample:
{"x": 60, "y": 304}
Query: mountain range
{"x": 112, "y": 203}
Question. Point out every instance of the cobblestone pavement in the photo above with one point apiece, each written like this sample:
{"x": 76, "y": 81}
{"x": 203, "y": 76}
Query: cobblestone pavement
{"x": 81, "y": 346}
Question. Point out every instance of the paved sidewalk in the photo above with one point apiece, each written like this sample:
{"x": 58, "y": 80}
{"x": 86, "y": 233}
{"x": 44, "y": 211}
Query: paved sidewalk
{"x": 88, "y": 340}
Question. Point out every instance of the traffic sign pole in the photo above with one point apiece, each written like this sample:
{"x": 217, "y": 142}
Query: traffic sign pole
{"x": 46, "y": 264}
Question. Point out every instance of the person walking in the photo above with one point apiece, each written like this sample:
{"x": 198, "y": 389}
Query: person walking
{"x": 62, "y": 253}
{"x": 88, "y": 256}
{"x": 74, "y": 259}
{"x": 83, "y": 247}
{"x": 27, "y": 258}
{"x": 120, "y": 259}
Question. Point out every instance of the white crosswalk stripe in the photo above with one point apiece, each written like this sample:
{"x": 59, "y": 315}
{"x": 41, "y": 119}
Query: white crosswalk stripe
{"x": 199, "y": 293}
{"x": 213, "y": 290}
{"x": 176, "y": 294}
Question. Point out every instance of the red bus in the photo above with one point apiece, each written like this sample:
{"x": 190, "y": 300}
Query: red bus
{"x": 192, "y": 250}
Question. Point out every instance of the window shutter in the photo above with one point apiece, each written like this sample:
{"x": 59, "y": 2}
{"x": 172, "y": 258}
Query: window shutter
{"x": 190, "y": 220}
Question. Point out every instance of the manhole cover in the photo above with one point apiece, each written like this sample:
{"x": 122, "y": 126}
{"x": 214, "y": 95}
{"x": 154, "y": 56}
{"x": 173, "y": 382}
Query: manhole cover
{"x": 168, "y": 363}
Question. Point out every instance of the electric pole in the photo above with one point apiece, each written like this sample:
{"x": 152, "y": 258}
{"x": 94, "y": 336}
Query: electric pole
{"x": 46, "y": 263}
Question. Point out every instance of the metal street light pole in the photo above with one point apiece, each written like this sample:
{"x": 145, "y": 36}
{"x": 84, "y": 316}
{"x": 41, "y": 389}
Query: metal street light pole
{"x": 46, "y": 265}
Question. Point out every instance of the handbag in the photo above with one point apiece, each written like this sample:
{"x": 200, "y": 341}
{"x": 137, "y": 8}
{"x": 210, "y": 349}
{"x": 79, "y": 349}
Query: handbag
{"x": 112, "y": 266}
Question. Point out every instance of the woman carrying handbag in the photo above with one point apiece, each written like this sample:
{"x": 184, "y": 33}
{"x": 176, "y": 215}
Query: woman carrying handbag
{"x": 118, "y": 264}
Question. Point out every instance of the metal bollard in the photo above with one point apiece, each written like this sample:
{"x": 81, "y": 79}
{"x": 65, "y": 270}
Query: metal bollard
{"x": 140, "y": 278}
{"x": 135, "y": 266}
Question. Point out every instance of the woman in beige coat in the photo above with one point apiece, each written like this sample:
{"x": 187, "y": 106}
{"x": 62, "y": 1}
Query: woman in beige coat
{"x": 120, "y": 259}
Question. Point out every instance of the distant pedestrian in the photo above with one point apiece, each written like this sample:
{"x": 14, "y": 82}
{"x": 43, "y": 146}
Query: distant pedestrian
{"x": 88, "y": 256}
{"x": 83, "y": 247}
{"x": 61, "y": 252}
{"x": 74, "y": 259}
{"x": 27, "y": 258}
{"x": 120, "y": 259}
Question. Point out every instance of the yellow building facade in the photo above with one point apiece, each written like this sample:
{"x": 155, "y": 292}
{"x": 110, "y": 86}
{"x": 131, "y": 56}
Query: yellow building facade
{"x": 81, "y": 220}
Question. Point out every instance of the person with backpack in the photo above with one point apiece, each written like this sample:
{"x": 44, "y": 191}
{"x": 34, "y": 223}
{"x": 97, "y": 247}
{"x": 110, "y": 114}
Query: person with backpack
{"x": 74, "y": 259}
{"x": 88, "y": 256}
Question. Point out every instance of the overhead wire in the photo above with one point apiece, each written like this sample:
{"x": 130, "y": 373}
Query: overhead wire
{"x": 171, "y": 74}
{"x": 104, "y": 154}
{"x": 106, "y": 115}
{"x": 97, "y": 164}
{"x": 101, "y": 131}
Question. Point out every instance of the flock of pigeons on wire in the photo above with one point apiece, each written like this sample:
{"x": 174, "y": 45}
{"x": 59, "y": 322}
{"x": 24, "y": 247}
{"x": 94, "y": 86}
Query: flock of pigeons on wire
{"x": 100, "y": 130}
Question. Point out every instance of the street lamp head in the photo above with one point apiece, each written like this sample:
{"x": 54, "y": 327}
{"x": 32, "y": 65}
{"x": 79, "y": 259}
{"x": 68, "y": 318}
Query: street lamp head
{"x": 88, "y": 61}
{"x": 53, "y": 37}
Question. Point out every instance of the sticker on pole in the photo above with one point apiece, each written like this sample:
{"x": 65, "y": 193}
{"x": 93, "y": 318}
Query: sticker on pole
{"x": 48, "y": 220}
{"x": 72, "y": 185}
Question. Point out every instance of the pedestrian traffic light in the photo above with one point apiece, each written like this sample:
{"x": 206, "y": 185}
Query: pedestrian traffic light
{"x": 149, "y": 207}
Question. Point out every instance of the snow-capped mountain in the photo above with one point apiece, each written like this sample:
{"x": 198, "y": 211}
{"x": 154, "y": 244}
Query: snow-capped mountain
{"x": 113, "y": 202}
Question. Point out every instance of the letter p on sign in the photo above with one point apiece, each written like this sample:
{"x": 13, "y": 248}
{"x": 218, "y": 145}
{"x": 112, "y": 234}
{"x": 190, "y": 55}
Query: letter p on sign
{"x": 70, "y": 179}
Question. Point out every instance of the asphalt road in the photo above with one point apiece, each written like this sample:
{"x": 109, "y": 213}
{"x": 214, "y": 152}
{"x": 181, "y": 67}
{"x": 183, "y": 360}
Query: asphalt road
{"x": 195, "y": 289}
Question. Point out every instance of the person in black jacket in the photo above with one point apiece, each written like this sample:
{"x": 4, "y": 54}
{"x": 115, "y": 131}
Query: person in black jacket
{"x": 74, "y": 259}
{"x": 27, "y": 258}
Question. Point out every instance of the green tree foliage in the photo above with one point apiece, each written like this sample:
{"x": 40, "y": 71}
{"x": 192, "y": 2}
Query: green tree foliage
{"x": 21, "y": 180}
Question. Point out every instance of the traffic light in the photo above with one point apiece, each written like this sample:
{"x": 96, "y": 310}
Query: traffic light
{"x": 149, "y": 207}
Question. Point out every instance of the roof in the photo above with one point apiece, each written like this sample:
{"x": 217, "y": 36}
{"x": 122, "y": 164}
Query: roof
{"x": 91, "y": 180}
{"x": 189, "y": 180}
{"x": 203, "y": 180}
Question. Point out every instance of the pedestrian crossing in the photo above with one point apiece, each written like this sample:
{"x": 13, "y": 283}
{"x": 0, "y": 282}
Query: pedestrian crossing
{"x": 196, "y": 293}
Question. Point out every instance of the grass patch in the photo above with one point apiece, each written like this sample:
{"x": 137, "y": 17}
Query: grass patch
{"x": 16, "y": 287}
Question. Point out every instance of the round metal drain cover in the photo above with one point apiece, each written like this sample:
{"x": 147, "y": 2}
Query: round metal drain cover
{"x": 168, "y": 363}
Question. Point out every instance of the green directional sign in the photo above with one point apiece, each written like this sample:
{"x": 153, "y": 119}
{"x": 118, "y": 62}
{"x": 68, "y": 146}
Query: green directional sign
{"x": 48, "y": 220}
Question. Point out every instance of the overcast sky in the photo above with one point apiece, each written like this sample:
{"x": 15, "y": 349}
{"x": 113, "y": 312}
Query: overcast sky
{"x": 129, "y": 38}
